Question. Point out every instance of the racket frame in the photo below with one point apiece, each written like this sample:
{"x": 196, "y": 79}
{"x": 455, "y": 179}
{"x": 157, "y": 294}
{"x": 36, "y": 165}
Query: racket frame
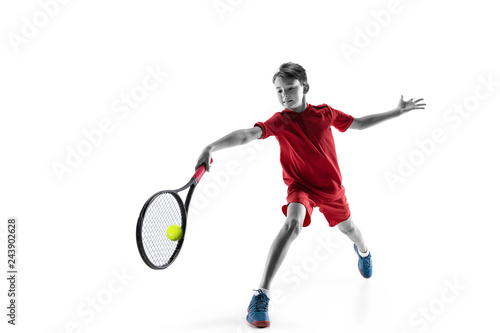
{"x": 184, "y": 213}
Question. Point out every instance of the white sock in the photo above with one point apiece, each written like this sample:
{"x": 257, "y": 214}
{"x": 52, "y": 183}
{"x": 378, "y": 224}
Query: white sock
{"x": 265, "y": 291}
{"x": 364, "y": 254}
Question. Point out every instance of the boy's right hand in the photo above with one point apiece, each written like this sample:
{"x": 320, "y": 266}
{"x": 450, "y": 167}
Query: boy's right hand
{"x": 204, "y": 158}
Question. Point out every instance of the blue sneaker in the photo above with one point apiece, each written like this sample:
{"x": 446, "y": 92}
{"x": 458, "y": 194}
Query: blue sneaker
{"x": 364, "y": 264}
{"x": 257, "y": 310}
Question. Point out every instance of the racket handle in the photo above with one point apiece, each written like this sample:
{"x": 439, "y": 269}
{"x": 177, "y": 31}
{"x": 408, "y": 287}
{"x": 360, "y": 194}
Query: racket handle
{"x": 201, "y": 171}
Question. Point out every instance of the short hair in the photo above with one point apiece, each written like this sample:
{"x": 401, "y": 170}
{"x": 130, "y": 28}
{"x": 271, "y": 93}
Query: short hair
{"x": 290, "y": 70}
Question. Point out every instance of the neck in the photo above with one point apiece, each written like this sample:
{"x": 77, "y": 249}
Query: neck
{"x": 301, "y": 108}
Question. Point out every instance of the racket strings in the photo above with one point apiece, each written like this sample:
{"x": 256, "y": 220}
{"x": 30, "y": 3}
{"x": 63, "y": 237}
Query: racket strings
{"x": 161, "y": 213}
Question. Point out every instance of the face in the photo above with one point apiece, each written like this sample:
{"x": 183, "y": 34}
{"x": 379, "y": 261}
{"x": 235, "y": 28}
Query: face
{"x": 291, "y": 94}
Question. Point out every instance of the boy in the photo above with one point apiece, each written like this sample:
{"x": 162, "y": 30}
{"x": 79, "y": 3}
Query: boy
{"x": 310, "y": 170}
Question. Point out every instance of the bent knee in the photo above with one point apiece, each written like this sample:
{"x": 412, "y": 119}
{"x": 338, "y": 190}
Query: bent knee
{"x": 293, "y": 225}
{"x": 347, "y": 227}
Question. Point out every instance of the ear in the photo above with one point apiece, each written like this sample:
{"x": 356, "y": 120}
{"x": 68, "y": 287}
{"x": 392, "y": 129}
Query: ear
{"x": 306, "y": 87}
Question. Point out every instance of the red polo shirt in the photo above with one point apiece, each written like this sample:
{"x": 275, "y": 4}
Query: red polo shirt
{"x": 308, "y": 155}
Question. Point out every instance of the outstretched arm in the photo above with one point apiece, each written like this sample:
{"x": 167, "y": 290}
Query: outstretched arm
{"x": 374, "y": 119}
{"x": 236, "y": 138}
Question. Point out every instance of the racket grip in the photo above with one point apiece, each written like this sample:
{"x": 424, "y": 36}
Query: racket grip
{"x": 201, "y": 171}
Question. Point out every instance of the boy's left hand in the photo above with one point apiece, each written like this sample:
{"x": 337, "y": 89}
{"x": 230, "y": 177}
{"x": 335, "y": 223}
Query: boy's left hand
{"x": 405, "y": 106}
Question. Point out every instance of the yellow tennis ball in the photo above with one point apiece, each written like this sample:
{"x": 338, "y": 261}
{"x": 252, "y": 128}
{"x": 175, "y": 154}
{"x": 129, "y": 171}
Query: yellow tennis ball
{"x": 174, "y": 232}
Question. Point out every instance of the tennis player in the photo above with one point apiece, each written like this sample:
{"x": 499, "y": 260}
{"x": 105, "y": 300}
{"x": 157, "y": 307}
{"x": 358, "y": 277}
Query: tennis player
{"x": 310, "y": 170}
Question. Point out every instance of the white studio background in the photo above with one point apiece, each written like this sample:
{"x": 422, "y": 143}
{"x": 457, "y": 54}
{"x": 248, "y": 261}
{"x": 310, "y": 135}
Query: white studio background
{"x": 422, "y": 188}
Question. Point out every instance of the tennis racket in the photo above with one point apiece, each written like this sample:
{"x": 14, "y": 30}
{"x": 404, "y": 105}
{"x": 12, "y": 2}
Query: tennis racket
{"x": 162, "y": 210}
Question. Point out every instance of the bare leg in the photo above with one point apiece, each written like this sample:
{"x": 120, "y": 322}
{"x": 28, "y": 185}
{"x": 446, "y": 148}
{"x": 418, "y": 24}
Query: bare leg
{"x": 296, "y": 213}
{"x": 351, "y": 230}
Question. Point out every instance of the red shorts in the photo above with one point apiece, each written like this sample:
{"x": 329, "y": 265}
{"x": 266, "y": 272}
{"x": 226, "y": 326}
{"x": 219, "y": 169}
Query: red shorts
{"x": 335, "y": 210}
